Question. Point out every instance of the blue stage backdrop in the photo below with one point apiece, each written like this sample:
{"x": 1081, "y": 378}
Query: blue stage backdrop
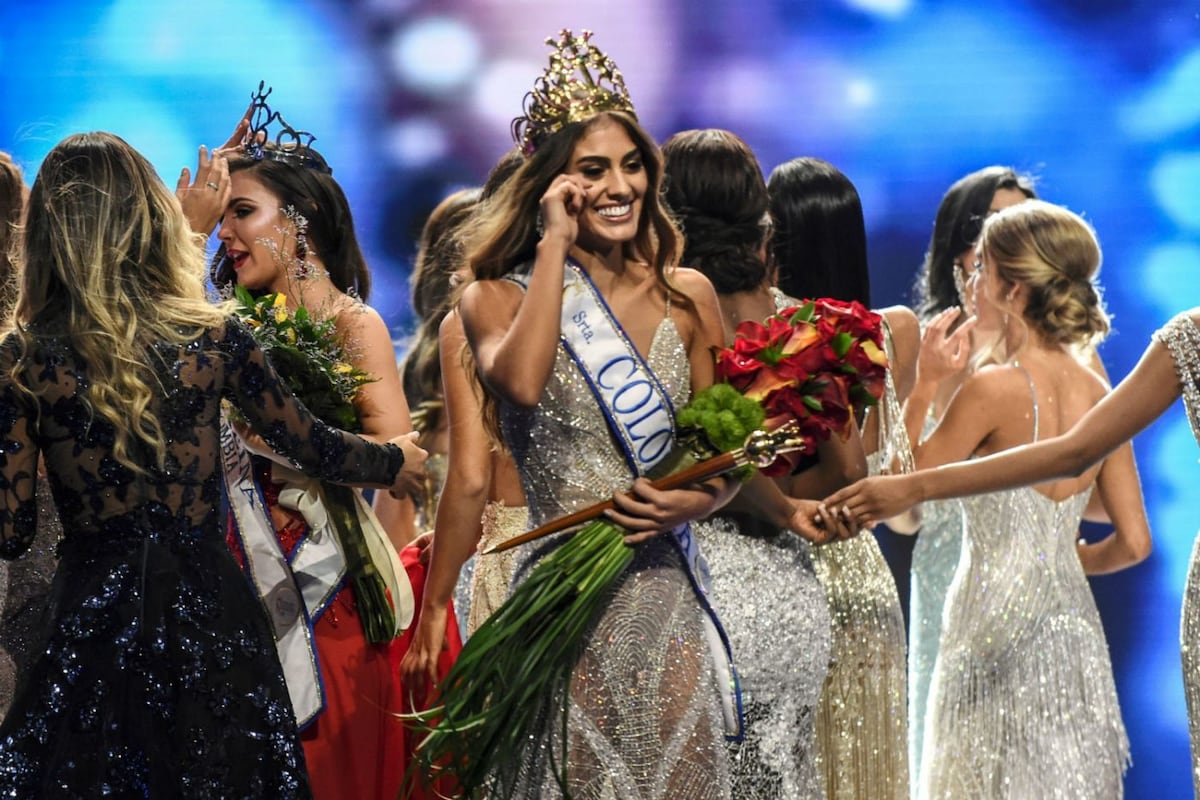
{"x": 411, "y": 99}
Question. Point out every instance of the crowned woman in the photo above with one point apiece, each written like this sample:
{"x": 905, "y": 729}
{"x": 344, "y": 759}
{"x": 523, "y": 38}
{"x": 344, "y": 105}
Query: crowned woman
{"x": 320, "y": 559}
{"x": 587, "y": 336}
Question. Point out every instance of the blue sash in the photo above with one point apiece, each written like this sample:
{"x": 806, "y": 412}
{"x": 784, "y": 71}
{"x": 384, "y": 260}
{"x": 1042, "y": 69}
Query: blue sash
{"x": 642, "y": 419}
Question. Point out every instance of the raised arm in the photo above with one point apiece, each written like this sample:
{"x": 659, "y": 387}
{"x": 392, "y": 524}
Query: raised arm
{"x": 290, "y": 430}
{"x": 514, "y": 337}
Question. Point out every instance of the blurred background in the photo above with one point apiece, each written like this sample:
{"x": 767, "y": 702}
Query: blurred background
{"x": 411, "y": 99}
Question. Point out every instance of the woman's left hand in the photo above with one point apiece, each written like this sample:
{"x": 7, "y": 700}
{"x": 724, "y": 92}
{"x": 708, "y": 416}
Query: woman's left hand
{"x": 204, "y": 199}
{"x": 646, "y": 511}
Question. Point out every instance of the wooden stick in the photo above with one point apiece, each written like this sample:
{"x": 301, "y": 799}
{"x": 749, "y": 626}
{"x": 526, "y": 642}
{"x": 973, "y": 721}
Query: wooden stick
{"x": 717, "y": 465}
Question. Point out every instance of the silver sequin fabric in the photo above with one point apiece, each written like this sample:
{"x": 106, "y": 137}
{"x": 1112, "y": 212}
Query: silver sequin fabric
{"x": 645, "y": 718}
{"x": 935, "y": 557}
{"x": 773, "y": 609}
{"x": 1182, "y": 340}
{"x": 493, "y": 573}
{"x": 1023, "y": 702}
{"x": 861, "y": 726}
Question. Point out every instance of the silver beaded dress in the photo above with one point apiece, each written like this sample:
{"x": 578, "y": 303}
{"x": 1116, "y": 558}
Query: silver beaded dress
{"x": 861, "y": 737}
{"x": 934, "y": 559}
{"x": 645, "y": 718}
{"x": 774, "y": 612}
{"x": 1023, "y": 702}
{"x": 1182, "y": 340}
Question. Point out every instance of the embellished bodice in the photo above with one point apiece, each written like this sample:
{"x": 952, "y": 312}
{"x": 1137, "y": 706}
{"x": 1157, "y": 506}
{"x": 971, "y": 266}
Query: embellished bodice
{"x": 1019, "y": 566}
{"x": 893, "y": 444}
{"x": 104, "y": 504}
{"x": 563, "y": 447}
{"x": 1181, "y": 337}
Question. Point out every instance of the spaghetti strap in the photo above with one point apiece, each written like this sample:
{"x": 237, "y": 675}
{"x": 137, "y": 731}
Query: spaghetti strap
{"x": 1033, "y": 393}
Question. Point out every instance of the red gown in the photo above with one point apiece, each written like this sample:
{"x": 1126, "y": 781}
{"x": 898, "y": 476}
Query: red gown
{"x": 357, "y": 747}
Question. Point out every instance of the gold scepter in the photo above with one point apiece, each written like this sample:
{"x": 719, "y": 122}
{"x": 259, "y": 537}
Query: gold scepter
{"x": 760, "y": 450}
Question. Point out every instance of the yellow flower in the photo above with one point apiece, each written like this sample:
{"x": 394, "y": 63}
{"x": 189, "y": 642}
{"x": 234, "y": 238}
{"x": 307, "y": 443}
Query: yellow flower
{"x": 280, "y": 300}
{"x": 254, "y": 323}
{"x": 281, "y": 315}
{"x": 342, "y": 368}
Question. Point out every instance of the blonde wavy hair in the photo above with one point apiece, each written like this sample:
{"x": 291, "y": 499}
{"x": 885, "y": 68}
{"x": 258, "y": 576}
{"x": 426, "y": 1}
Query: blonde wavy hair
{"x": 1054, "y": 253}
{"x": 110, "y": 262}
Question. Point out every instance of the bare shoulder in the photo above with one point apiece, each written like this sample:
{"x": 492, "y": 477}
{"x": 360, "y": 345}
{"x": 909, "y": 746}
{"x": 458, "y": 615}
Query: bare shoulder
{"x": 361, "y": 322}
{"x": 693, "y": 283}
{"x": 451, "y": 327}
{"x": 906, "y": 341}
{"x": 996, "y": 385}
{"x": 906, "y": 328}
{"x": 488, "y": 303}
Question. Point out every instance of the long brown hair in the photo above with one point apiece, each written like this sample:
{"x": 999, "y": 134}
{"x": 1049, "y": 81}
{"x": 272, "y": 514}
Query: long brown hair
{"x": 12, "y": 205}
{"x": 506, "y": 231}
{"x": 505, "y": 224}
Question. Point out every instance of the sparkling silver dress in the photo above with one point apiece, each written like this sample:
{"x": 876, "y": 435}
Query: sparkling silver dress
{"x": 645, "y": 717}
{"x": 934, "y": 559}
{"x": 861, "y": 728}
{"x": 1182, "y": 340}
{"x": 1023, "y": 702}
{"x": 781, "y": 663}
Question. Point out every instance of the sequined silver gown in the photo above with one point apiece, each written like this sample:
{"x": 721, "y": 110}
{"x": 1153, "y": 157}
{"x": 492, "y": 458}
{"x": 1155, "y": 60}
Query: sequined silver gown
{"x": 935, "y": 557}
{"x": 861, "y": 727}
{"x": 645, "y": 717}
{"x": 1182, "y": 340}
{"x": 1023, "y": 702}
{"x": 774, "y": 612}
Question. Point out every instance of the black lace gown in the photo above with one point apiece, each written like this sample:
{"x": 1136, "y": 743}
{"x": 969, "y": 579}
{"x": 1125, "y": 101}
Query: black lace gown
{"x": 157, "y": 677}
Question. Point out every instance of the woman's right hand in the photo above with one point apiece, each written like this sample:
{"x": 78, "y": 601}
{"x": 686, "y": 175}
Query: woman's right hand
{"x": 560, "y": 208}
{"x": 411, "y": 477}
{"x": 944, "y": 354}
{"x": 418, "y": 670}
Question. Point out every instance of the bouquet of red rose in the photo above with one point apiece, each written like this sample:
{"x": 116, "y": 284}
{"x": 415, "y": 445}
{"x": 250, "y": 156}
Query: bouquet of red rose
{"x": 803, "y": 370}
{"x": 809, "y": 365}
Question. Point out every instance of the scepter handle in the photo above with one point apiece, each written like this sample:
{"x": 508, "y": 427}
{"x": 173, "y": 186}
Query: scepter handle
{"x": 717, "y": 465}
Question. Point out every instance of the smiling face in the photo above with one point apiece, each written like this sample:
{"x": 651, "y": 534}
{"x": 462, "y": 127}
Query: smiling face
{"x": 612, "y": 169}
{"x": 255, "y": 233}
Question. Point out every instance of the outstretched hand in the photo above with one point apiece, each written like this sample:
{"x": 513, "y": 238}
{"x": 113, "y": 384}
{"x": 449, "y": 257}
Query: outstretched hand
{"x": 818, "y": 524}
{"x": 871, "y": 500}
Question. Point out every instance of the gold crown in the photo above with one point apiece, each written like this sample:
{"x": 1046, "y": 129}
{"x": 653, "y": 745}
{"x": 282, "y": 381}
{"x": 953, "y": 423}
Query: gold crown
{"x": 580, "y": 82}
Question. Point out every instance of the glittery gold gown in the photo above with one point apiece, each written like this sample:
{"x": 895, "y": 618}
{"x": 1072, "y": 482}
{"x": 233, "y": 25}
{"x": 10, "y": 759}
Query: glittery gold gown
{"x": 645, "y": 717}
{"x": 1023, "y": 702}
{"x": 861, "y": 728}
{"x": 493, "y": 573}
{"x": 1182, "y": 340}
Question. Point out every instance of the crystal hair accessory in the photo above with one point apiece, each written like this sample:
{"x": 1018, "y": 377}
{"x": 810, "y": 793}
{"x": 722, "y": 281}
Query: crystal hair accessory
{"x": 580, "y": 82}
{"x": 290, "y": 146}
